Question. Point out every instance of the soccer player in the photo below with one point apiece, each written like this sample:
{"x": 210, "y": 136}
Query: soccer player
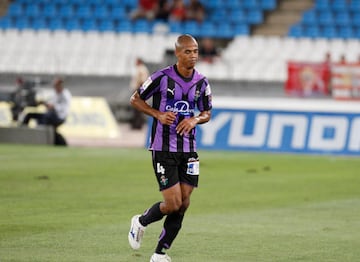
{"x": 176, "y": 92}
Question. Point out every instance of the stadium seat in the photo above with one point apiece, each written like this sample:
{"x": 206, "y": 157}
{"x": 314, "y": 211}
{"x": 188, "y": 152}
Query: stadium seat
{"x": 268, "y": 4}
{"x": 16, "y": 9}
{"x": 326, "y": 18}
{"x": 342, "y": 18}
{"x": 237, "y": 16}
{"x": 329, "y": 32}
{"x": 39, "y": 24}
{"x": 309, "y": 18}
{"x": 255, "y": 17}
{"x": 207, "y": 29}
{"x": 49, "y": 11}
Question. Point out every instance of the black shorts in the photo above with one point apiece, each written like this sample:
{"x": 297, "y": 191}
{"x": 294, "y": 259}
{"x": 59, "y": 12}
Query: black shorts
{"x": 172, "y": 167}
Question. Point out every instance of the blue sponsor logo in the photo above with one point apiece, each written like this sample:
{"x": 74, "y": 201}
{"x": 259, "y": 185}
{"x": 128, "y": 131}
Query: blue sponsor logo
{"x": 281, "y": 131}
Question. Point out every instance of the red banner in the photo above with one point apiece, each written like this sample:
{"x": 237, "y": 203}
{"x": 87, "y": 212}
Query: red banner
{"x": 308, "y": 79}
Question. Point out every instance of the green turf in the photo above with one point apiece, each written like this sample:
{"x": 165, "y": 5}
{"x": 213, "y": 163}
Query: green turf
{"x": 75, "y": 204}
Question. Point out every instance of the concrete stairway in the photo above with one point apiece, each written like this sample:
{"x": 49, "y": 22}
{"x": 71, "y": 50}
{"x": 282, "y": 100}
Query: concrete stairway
{"x": 278, "y": 21}
{"x": 3, "y": 7}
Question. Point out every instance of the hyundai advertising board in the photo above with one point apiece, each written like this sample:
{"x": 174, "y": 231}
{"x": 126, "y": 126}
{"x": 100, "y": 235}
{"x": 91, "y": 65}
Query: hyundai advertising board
{"x": 282, "y": 125}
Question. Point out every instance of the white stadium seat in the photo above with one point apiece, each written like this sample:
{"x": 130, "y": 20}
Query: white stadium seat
{"x": 93, "y": 53}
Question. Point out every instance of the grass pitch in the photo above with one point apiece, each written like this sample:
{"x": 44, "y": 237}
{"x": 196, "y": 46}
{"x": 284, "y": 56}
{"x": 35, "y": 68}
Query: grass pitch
{"x": 75, "y": 204}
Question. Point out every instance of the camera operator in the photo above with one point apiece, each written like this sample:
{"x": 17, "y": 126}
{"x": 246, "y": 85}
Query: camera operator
{"x": 58, "y": 108}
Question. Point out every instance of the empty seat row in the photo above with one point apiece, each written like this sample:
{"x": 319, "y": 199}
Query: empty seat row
{"x": 109, "y": 54}
{"x": 314, "y": 31}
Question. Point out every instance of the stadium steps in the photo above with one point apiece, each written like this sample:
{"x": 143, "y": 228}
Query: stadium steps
{"x": 278, "y": 21}
{"x": 4, "y": 4}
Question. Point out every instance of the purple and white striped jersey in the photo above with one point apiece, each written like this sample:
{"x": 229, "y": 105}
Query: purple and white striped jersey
{"x": 171, "y": 92}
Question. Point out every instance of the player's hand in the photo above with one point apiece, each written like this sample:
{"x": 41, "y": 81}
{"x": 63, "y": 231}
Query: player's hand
{"x": 167, "y": 118}
{"x": 186, "y": 125}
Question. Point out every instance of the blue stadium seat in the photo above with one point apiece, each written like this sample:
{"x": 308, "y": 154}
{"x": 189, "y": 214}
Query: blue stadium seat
{"x": 321, "y": 5}
{"x": 124, "y": 26}
{"x": 225, "y": 30}
{"x": 83, "y": 12}
{"x": 268, "y": 4}
{"x": 207, "y": 29}
{"x": 66, "y": 11}
{"x": 32, "y": 10}
{"x": 192, "y": 28}
{"x": 232, "y": 4}
{"x": 312, "y": 31}
{"x": 56, "y": 24}
{"x": 355, "y": 5}
{"x": 101, "y": 12}
{"x": 339, "y": 5}
{"x": 39, "y": 23}
{"x": 106, "y": 25}
{"x": 346, "y": 32}
{"x": 22, "y": 23}
{"x": 72, "y": 25}
{"x": 6, "y": 22}
{"x": 309, "y": 17}
{"x": 217, "y": 15}
{"x": 142, "y": 26}
{"x": 252, "y": 5}
{"x": 342, "y": 18}
{"x": 326, "y": 18}
{"x": 255, "y": 17}
{"x": 16, "y": 9}
{"x": 329, "y": 32}
{"x": 214, "y": 4}
{"x": 356, "y": 19}
{"x": 237, "y": 16}
{"x": 241, "y": 29}
{"x": 118, "y": 12}
{"x": 50, "y": 11}
{"x": 89, "y": 24}
{"x": 175, "y": 27}
{"x": 296, "y": 31}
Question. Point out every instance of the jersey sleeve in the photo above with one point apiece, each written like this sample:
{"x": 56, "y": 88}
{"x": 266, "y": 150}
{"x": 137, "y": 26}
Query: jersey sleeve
{"x": 204, "y": 103}
{"x": 150, "y": 86}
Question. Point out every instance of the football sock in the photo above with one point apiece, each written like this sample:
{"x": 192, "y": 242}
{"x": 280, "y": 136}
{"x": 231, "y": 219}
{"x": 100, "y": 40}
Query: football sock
{"x": 172, "y": 226}
{"x": 151, "y": 215}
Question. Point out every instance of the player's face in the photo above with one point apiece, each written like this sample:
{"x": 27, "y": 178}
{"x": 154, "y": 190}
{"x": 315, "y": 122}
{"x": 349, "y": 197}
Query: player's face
{"x": 188, "y": 54}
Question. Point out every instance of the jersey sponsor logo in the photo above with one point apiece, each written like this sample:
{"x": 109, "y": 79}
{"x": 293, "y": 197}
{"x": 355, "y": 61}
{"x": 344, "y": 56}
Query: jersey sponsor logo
{"x": 336, "y": 133}
{"x": 179, "y": 107}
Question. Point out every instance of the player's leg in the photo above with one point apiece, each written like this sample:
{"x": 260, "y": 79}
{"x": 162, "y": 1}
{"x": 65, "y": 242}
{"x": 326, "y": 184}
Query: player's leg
{"x": 173, "y": 221}
{"x": 188, "y": 170}
{"x": 165, "y": 168}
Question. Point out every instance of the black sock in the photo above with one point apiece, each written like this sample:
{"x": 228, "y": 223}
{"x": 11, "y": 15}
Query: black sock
{"x": 151, "y": 215}
{"x": 172, "y": 226}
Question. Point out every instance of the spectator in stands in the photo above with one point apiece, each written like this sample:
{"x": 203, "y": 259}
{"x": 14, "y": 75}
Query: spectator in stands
{"x": 178, "y": 11}
{"x": 195, "y": 10}
{"x": 145, "y": 9}
{"x": 139, "y": 77}
{"x": 58, "y": 108}
{"x": 208, "y": 51}
{"x": 327, "y": 72}
{"x": 163, "y": 10}
{"x": 343, "y": 60}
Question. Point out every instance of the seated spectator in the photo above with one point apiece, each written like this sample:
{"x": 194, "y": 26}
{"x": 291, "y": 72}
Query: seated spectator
{"x": 146, "y": 9}
{"x": 195, "y": 10}
{"x": 163, "y": 10}
{"x": 178, "y": 11}
{"x": 58, "y": 108}
{"x": 208, "y": 51}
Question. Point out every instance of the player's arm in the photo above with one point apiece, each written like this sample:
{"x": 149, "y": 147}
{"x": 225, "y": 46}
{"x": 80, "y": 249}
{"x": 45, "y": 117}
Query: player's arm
{"x": 187, "y": 124}
{"x": 166, "y": 118}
